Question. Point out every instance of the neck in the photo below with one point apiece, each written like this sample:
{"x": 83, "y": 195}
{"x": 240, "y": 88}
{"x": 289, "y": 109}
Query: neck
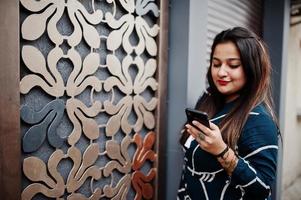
{"x": 231, "y": 97}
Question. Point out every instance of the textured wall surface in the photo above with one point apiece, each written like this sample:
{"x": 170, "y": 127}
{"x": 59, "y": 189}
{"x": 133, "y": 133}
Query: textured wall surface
{"x": 89, "y": 98}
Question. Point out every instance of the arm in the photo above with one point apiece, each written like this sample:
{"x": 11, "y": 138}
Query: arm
{"x": 257, "y": 163}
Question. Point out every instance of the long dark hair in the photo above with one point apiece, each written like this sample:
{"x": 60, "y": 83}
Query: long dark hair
{"x": 257, "y": 67}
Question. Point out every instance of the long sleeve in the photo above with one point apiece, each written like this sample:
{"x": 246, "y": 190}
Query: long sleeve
{"x": 257, "y": 165}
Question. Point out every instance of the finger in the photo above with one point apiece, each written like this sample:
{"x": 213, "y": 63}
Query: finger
{"x": 199, "y": 137}
{"x": 193, "y": 134}
{"x": 213, "y": 126}
{"x": 202, "y": 127}
{"x": 189, "y": 126}
{"x": 192, "y": 129}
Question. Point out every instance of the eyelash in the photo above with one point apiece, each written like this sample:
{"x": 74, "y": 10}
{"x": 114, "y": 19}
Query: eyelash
{"x": 234, "y": 66}
{"x": 231, "y": 66}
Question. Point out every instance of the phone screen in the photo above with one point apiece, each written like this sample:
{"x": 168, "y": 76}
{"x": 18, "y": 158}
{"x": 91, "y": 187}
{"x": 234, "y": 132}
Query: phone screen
{"x": 197, "y": 115}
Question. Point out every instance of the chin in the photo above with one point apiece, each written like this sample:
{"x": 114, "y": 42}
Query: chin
{"x": 224, "y": 92}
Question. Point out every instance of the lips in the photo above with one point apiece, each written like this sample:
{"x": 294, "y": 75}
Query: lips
{"x": 222, "y": 82}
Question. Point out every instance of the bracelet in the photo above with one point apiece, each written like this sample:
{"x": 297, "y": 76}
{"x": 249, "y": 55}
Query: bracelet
{"x": 221, "y": 155}
{"x": 229, "y": 162}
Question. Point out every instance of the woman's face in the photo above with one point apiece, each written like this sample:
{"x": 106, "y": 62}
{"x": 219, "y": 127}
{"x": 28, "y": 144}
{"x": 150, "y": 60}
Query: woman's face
{"x": 227, "y": 71}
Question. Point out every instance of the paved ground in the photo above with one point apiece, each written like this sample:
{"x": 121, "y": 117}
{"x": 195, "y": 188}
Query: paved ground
{"x": 293, "y": 192}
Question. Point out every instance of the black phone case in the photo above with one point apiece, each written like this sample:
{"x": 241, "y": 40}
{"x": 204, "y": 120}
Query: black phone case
{"x": 197, "y": 115}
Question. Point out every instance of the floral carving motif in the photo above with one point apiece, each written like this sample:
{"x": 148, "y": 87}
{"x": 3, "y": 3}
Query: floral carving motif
{"x": 78, "y": 112}
{"x": 141, "y": 182}
{"x": 54, "y": 186}
{"x": 46, "y": 120}
{"x": 80, "y": 78}
{"x": 123, "y": 81}
{"x": 125, "y": 26}
{"x": 54, "y": 10}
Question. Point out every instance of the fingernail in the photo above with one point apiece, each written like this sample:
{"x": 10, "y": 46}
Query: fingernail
{"x": 194, "y": 122}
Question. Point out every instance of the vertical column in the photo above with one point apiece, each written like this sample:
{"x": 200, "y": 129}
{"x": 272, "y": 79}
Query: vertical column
{"x": 177, "y": 87}
{"x": 186, "y": 77}
{"x": 9, "y": 101}
{"x": 162, "y": 105}
{"x": 276, "y": 37}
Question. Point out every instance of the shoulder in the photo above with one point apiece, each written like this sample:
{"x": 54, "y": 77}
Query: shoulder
{"x": 260, "y": 127}
{"x": 260, "y": 117}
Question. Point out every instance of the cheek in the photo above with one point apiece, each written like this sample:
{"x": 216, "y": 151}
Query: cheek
{"x": 241, "y": 80}
{"x": 213, "y": 73}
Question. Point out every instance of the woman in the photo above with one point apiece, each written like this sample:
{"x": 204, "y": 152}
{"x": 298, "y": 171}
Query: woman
{"x": 236, "y": 158}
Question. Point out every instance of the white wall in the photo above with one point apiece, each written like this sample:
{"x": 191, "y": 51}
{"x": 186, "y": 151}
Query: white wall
{"x": 292, "y": 126}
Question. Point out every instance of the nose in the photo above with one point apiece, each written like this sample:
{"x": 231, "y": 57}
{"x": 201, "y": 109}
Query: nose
{"x": 222, "y": 71}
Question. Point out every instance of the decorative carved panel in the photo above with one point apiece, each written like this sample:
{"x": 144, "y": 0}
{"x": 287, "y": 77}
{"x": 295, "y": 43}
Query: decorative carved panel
{"x": 90, "y": 93}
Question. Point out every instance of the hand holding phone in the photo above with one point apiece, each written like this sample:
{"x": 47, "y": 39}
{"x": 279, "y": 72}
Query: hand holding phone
{"x": 197, "y": 115}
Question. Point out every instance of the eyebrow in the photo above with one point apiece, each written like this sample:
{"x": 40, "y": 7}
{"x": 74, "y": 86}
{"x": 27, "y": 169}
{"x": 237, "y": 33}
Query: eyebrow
{"x": 229, "y": 59}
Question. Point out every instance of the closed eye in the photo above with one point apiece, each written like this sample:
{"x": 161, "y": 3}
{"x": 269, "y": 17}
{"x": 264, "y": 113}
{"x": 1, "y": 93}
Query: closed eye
{"x": 216, "y": 65}
{"x": 234, "y": 66}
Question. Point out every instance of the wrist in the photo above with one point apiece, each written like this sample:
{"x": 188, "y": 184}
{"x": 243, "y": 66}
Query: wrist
{"x": 223, "y": 152}
{"x": 229, "y": 161}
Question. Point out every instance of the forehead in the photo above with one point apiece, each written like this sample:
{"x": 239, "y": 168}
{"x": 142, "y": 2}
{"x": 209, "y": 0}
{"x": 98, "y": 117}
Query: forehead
{"x": 225, "y": 51}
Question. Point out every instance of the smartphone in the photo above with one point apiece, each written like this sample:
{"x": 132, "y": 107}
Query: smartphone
{"x": 197, "y": 115}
